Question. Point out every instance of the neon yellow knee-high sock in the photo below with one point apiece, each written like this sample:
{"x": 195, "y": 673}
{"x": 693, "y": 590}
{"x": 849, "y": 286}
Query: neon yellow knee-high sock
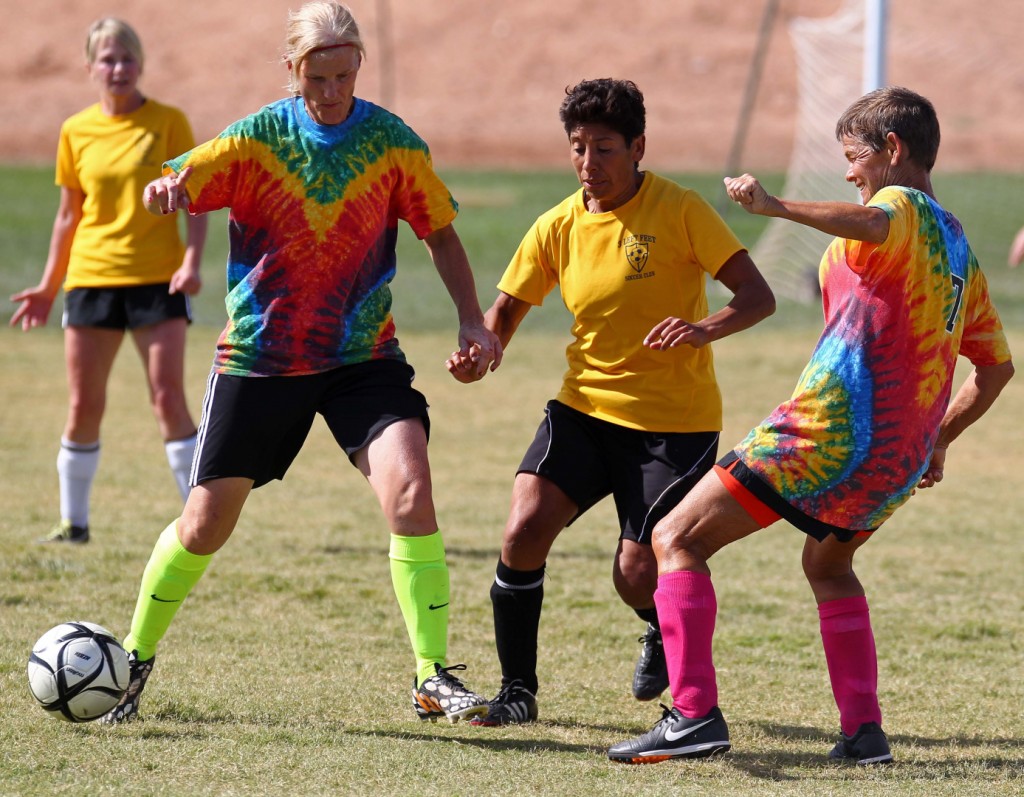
{"x": 419, "y": 575}
{"x": 170, "y": 575}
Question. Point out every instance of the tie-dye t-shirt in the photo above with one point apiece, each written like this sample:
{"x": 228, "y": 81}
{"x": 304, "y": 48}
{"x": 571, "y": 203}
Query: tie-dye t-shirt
{"x": 312, "y": 231}
{"x": 853, "y": 441}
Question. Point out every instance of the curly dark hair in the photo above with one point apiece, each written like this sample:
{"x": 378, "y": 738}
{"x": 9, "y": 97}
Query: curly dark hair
{"x": 617, "y": 104}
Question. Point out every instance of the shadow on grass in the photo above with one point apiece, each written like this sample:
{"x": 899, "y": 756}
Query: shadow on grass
{"x": 779, "y": 765}
{"x": 930, "y": 770}
{"x": 462, "y": 552}
{"x": 174, "y": 724}
{"x": 815, "y": 735}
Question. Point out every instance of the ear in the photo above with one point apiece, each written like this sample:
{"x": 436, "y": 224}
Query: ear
{"x": 895, "y": 149}
{"x": 639, "y": 147}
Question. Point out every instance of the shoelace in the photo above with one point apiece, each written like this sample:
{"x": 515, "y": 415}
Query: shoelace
{"x": 666, "y": 715}
{"x": 451, "y": 680}
{"x": 506, "y": 690}
{"x": 650, "y": 633}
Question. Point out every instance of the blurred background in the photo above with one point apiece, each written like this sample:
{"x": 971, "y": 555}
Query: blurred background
{"x": 481, "y": 80}
{"x": 754, "y": 85}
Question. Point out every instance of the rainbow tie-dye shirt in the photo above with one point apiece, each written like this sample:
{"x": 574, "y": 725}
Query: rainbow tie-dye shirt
{"x": 851, "y": 444}
{"x": 312, "y": 232}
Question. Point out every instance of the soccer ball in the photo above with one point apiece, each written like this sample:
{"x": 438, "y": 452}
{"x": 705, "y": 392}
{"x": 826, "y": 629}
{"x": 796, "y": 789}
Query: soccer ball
{"x": 78, "y": 671}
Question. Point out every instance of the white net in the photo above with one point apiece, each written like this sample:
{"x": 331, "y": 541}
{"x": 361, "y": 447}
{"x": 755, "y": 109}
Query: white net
{"x": 830, "y": 58}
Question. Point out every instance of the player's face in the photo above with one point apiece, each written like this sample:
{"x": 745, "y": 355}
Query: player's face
{"x": 327, "y": 81}
{"x": 605, "y": 164}
{"x": 114, "y": 69}
{"x": 870, "y": 171}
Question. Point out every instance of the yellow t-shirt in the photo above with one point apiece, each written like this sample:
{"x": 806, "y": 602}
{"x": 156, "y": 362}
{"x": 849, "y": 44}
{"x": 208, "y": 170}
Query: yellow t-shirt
{"x": 110, "y": 159}
{"x": 620, "y": 273}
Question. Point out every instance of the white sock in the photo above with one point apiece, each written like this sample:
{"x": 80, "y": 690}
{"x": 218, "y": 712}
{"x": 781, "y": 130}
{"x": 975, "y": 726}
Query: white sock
{"x": 179, "y": 455}
{"x": 76, "y": 468}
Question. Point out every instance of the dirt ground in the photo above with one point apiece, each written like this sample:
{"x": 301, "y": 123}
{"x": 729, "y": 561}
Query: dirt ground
{"x": 481, "y": 80}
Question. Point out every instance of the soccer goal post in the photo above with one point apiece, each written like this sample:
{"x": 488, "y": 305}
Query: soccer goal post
{"x": 837, "y": 58}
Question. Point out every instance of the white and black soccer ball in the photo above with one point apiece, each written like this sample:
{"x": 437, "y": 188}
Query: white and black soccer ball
{"x": 78, "y": 671}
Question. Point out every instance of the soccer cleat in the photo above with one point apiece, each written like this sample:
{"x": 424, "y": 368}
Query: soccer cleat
{"x": 66, "y": 532}
{"x": 650, "y": 678}
{"x": 127, "y": 707}
{"x": 675, "y": 736}
{"x": 868, "y": 745}
{"x": 513, "y": 705}
{"x": 444, "y": 695}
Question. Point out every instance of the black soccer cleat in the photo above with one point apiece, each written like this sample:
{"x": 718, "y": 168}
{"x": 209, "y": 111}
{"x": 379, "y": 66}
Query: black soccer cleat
{"x": 675, "y": 736}
{"x": 127, "y": 707}
{"x": 867, "y": 746}
{"x": 650, "y": 678}
{"x": 513, "y": 705}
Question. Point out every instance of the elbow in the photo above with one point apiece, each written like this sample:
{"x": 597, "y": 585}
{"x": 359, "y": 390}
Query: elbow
{"x": 765, "y": 303}
{"x": 993, "y": 378}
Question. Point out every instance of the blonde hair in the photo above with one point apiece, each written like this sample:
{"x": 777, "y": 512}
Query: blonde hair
{"x": 116, "y": 29}
{"x": 317, "y": 24}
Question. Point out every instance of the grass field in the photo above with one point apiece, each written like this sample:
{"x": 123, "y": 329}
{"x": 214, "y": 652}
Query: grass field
{"x": 288, "y": 670}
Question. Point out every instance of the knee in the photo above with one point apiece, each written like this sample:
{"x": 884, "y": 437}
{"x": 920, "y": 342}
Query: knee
{"x": 527, "y": 541}
{"x": 168, "y": 402}
{"x": 680, "y": 547}
{"x": 635, "y": 576}
{"x": 670, "y": 538}
{"x": 86, "y": 408}
{"x": 410, "y": 507}
{"x": 825, "y": 572}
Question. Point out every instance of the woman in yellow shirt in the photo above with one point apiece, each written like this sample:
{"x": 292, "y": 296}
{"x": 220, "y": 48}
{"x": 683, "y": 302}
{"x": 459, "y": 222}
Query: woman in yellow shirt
{"x": 639, "y": 412}
{"x": 121, "y": 267}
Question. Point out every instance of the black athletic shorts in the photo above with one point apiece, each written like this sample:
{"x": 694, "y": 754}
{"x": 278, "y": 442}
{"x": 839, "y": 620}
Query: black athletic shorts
{"x": 648, "y": 473}
{"x": 254, "y": 426}
{"x": 775, "y": 502}
{"x": 124, "y": 308}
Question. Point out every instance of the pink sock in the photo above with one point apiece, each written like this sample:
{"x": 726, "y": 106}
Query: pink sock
{"x": 852, "y": 663}
{"x": 686, "y": 611}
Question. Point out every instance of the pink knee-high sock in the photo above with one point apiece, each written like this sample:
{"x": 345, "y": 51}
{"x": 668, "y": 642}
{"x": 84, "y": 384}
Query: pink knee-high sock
{"x": 686, "y": 611}
{"x": 852, "y": 662}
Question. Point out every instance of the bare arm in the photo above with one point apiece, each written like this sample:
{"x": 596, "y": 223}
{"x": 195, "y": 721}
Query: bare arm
{"x": 505, "y": 315}
{"x": 188, "y": 279}
{"x": 450, "y": 260}
{"x": 36, "y": 302}
{"x": 841, "y": 219}
{"x": 752, "y": 301}
{"x": 1017, "y": 250}
{"x": 971, "y": 401}
{"x": 503, "y": 319}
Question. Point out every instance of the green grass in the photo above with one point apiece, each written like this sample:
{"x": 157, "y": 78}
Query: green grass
{"x": 288, "y": 670}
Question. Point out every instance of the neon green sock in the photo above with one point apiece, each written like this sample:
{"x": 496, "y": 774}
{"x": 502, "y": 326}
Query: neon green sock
{"x": 419, "y": 575}
{"x": 169, "y": 577}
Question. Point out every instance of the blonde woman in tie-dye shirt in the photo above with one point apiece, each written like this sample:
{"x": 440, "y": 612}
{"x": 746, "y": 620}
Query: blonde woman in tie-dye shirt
{"x": 317, "y": 184}
{"x": 869, "y": 421}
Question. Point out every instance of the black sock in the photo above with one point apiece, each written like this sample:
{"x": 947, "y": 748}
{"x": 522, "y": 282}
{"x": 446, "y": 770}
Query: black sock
{"x": 649, "y": 616}
{"x": 516, "y": 596}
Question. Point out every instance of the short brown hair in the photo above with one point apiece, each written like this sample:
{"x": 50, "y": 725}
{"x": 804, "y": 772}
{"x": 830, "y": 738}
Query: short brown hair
{"x": 893, "y": 109}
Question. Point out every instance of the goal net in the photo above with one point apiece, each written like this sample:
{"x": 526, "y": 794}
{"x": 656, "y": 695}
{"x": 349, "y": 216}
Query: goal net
{"x": 830, "y": 60}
